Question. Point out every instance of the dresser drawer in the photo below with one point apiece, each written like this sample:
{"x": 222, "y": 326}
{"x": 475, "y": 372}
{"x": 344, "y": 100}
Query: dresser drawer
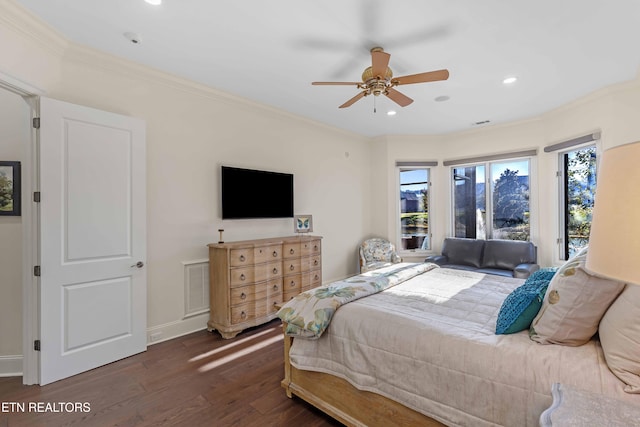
{"x": 311, "y": 279}
{"x": 291, "y": 250}
{"x": 245, "y": 312}
{"x": 274, "y": 303}
{"x": 310, "y": 248}
{"x": 291, "y": 266}
{"x": 243, "y": 276}
{"x": 240, "y": 257}
{"x": 310, "y": 263}
{"x": 267, "y": 253}
{"x": 248, "y": 294}
{"x": 257, "y": 273}
{"x": 256, "y": 291}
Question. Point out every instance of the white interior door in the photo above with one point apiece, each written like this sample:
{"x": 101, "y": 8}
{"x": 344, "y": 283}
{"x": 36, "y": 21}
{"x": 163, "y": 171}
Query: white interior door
{"x": 92, "y": 238}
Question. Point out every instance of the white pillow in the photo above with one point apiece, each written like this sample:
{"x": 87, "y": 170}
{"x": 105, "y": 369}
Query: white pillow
{"x": 620, "y": 338}
{"x": 573, "y": 305}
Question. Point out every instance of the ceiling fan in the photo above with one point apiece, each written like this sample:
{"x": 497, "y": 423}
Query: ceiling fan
{"x": 378, "y": 80}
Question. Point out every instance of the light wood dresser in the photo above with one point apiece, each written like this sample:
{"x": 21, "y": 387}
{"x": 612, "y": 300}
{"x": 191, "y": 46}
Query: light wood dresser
{"x": 249, "y": 280}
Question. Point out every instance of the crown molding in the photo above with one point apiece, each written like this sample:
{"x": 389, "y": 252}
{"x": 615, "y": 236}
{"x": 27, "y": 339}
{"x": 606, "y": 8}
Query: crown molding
{"x": 22, "y": 22}
{"x": 114, "y": 64}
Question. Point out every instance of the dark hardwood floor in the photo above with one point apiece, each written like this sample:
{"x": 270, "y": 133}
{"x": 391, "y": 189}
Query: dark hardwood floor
{"x": 196, "y": 380}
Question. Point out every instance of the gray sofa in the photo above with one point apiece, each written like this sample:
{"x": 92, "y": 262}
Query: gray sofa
{"x": 510, "y": 258}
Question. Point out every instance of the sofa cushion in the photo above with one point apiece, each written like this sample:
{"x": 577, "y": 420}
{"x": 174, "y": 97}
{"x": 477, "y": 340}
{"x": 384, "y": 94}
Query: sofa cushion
{"x": 507, "y": 254}
{"x": 463, "y": 251}
{"x": 496, "y": 271}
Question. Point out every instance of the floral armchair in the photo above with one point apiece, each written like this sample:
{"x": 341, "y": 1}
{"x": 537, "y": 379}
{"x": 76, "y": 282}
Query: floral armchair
{"x": 377, "y": 253}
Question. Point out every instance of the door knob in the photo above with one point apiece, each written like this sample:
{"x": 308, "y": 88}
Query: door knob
{"x": 138, "y": 264}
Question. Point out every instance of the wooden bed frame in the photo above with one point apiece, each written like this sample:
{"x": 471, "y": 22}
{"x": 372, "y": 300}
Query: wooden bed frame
{"x": 342, "y": 401}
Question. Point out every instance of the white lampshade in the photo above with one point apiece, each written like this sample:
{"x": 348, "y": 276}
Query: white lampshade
{"x": 614, "y": 243}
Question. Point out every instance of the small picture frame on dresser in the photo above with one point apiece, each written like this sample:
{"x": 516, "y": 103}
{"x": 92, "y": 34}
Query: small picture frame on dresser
{"x": 302, "y": 223}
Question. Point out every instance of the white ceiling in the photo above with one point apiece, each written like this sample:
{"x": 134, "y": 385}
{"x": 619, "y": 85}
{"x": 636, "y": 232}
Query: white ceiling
{"x": 271, "y": 51}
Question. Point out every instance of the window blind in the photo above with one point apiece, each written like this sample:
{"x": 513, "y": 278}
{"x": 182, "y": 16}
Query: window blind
{"x": 572, "y": 142}
{"x": 480, "y": 159}
{"x": 417, "y": 164}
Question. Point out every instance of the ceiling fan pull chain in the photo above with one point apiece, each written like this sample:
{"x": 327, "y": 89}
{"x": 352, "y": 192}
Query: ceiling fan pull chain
{"x": 374, "y": 105}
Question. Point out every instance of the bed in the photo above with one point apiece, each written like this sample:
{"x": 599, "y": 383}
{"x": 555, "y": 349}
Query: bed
{"x": 424, "y": 352}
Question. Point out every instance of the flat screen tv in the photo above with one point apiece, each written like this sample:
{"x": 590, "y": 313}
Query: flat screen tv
{"x": 248, "y": 193}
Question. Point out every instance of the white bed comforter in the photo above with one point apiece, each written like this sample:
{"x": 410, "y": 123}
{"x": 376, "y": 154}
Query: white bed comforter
{"x": 430, "y": 344}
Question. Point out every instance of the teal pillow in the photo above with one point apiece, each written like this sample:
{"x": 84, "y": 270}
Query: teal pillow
{"x": 522, "y": 305}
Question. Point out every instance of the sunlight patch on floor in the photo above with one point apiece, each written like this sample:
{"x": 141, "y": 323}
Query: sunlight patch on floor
{"x": 219, "y": 362}
{"x": 232, "y": 344}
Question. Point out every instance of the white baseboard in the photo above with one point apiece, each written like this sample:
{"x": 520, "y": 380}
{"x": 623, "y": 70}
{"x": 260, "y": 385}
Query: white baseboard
{"x": 167, "y": 331}
{"x": 10, "y": 366}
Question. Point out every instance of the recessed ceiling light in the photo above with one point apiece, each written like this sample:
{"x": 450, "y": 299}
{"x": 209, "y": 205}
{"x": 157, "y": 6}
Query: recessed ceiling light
{"x": 441, "y": 98}
{"x": 391, "y": 113}
{"x": 509, "y": 80}
{"x": 154, "y": 2}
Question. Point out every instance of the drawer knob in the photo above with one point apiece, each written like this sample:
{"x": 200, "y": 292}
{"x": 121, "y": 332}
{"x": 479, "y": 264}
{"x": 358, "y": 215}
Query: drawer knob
{"x": 275, "y": 254}
{"x": 315, "y": 248}
{"x": 243, "y": 315}
{"x": 243, "y": 296}
{"x": 291, "y": 251}
{"x": 242, "y": 258}
{"x": 316, "y": 277}
{"x": 293, "y": 284}
{"x": 275, "y": 270}
{"x": 275, "y": 287}
{"x": 315, "y": 262}
{"x": 242, "y": 276}
{"x": 291, "y": 267}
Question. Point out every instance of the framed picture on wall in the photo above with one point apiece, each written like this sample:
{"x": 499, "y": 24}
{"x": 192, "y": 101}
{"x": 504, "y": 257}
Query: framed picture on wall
{"x": 302, "y": 223}
{"x": 10, "y": 201}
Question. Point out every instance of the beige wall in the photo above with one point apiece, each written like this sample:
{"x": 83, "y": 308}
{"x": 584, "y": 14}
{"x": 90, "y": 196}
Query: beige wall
{"x": 191, "y": 131}
{"x": 14, "y": 132}
{"x": 612, "y": 110}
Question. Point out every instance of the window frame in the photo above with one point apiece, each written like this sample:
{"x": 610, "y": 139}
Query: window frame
{"x": 489, "y": 190}
{"x": 401, "y": 167}
{"x": 562, "y": 177}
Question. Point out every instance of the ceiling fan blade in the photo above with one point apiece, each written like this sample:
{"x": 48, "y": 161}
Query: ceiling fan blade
{"x": 399, "y": 98}
{"x": 430, "y": 76}
{"x": 350, "y": 102}
{"x": 379, "y": 63}
{"x": 336, "y": 83}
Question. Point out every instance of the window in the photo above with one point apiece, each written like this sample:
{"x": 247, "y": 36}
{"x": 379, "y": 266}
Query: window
{"x": 491, "y": 200}
{"x": 414, "y": 208}
{"x": 577, "y": 189}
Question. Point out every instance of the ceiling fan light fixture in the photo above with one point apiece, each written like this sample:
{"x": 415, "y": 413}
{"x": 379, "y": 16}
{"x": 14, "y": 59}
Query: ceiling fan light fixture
{"x": 378, "y": 80}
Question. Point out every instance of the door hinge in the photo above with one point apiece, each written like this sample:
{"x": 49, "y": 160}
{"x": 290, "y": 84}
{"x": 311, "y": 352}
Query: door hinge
{"x": 36, "y": 122}
{"x": 36, "y": 345}
{"x": 36, "y": 196}
{"x": 36, "y": 271}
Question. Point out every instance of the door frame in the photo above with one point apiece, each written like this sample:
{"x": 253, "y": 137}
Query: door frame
{"x": 30, "y": 218}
